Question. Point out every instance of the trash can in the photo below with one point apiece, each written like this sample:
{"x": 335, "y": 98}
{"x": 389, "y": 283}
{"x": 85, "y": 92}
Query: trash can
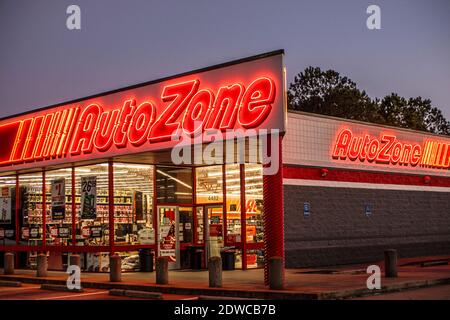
{"x": 146, "y": 260}
{"x": 228, "y": 256}
{"x": 195, "y": 257}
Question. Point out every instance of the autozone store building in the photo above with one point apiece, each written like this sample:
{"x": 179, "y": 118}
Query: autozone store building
{"x": 102, "y": 174}
{"x": 98, "y": 176}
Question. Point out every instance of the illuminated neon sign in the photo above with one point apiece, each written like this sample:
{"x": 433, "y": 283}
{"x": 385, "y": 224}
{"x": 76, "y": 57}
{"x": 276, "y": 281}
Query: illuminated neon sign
{"x": 387, "y": 149}
{"x": 84, "y": 130}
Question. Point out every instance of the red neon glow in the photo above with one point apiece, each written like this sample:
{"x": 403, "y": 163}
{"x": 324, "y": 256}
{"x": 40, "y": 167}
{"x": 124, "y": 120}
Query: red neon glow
{"x": 32, "y": 137}
{"x": 387, "y": 149}
{"x": 140, "y": 124}
{"x": 223, "y": 113}
{"x": 8, "y": 133}
{"x": 257, "y": 102}
{"x": 179, "y": 94}
{"x": 120, "y": 134}
{"x": 87, "y": 124}
{"x": 197, "y": 110}
{"x": 77, "y": 131}
{"x": 107, "y": 125}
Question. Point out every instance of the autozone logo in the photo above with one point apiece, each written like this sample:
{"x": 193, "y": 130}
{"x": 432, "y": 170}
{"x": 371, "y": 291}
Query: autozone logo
{"x": 387, "y": 149}
{"x": 187, "y": 106}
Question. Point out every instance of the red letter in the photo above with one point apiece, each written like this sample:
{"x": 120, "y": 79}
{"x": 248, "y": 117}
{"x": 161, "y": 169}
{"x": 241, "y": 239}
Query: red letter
{"x": 396, "y": 153}
{"x": 383, "y": 155}
{"x": 106, "y": 126}
{"x": 355, "y": 148}
{"x": 256, "y": 103}
{"x": 342, "y": 143}
{"x": 415, "y": 155}
{"x": 224, "y": 111}
{"x": 166, "y": 125}
{"x": 140, "y": 123}
{"x": 372, "y": 150}
{"x": 83, "y": 139}
{"x": 197, "y": 110}
{"x": 120, "y": 134}
{"x": 363, "y": 153}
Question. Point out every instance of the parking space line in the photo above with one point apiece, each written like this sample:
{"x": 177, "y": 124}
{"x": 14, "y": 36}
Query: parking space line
{"x": 73, "y": 295}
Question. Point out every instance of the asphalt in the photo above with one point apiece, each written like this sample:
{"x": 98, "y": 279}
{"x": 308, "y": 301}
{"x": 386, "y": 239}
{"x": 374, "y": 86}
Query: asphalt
{"x": 34, "y": 292}
{"x": 341, "y": 282}
{"x": 441, "y": 292}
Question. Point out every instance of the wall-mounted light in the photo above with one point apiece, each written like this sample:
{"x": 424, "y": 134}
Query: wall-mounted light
{"x": 427, "y": 179}
{"x": 324, "y": 172}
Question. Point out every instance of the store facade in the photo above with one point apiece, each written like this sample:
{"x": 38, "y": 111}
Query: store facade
{"x": 130, "y": 171}
{"x": 354, "y": 189}
{"x": 210, "y": 163}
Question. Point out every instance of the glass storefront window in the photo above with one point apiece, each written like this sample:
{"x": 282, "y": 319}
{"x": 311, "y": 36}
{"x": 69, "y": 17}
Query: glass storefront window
{"x": 255, "y": 258}
{"x": 200, "y": 226}
{"x": 7, "y": 210}
{"x": 92, "y": 220}
{"x": 254, "y": 202}
{"x": 31, "y": 224}
{"x": 215, "y": 230}
{"x": 233, "y": 205}
{"x": 209, "y": 184}
{"x": 30, "y": 214}
{"x": 58, "y": 190}
{"x": 174, "y": 184}
{"x": 133, "y": 199}
{"x": 186, "y": 221}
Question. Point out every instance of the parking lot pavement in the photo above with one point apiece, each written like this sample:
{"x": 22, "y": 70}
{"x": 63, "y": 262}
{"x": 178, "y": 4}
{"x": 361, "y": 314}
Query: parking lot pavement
{"x": 441, "y": 292}
{"x": 34, "y": 292}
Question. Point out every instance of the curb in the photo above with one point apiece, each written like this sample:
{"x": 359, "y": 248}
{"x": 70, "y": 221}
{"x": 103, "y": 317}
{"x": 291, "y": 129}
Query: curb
{"x": 4, "y": 283}
{"x": 168, "y": 289}
{"x": 136, "y": 294}
{"x": 232, "y": 293}
{"x": 347, "y": 294}
{"x": 57, "y": 287}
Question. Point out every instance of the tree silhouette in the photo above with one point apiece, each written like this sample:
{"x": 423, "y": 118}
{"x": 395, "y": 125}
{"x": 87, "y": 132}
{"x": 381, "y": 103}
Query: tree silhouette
{"x": 329, "y": 93}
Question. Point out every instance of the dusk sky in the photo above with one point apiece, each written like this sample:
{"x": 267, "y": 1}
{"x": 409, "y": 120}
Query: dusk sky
{"x": 126, "y": 42}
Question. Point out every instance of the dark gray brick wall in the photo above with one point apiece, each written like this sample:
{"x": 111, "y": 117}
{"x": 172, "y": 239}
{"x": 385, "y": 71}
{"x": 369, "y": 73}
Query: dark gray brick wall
{"x": 416, "y": 223}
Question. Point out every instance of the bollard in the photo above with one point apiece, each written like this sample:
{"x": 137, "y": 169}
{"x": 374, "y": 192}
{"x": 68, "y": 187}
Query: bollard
{"x": 115, "y": 268}
{"x": 162, "y": 270}
{"x": 74, "y": 260}
{"x": 8, "y": 267}
{"x": 41, "y": 269}
{"x": 276, "y": 273}
{"x": 390, "y": 263}
{"x": 215, "y": 272}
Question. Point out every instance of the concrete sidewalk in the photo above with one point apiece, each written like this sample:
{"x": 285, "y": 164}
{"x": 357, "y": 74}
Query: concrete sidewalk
{"x": 325, "y": 283}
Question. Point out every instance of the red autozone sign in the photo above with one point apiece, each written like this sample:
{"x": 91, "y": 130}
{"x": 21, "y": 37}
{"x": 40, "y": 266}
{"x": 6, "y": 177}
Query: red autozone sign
{"x": 388, "y": 149}
{"x": 240, "y": 96}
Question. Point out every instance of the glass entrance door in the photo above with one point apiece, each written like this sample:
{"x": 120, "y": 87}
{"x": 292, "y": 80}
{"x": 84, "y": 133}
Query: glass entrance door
{"x": 214, "y": 230}
{"x": 168, "y": 227}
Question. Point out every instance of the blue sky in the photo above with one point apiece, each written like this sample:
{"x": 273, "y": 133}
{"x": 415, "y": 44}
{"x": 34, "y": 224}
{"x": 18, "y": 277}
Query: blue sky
{"x": 127, "y": 42}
